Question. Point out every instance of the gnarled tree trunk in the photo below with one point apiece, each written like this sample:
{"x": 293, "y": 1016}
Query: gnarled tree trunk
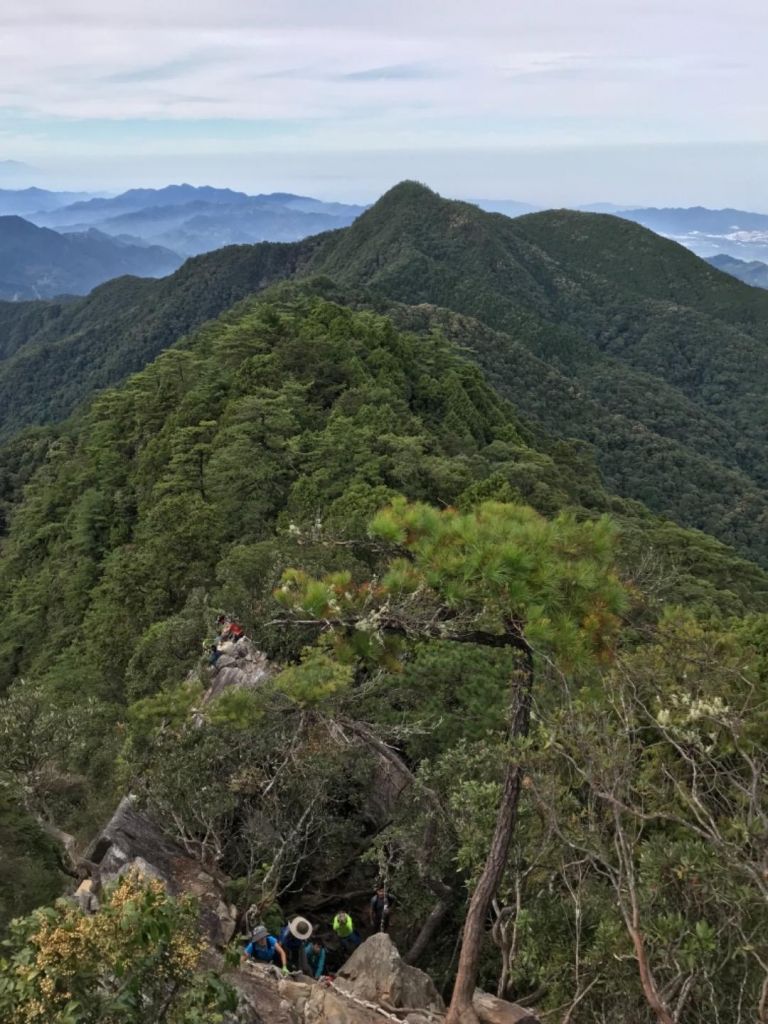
{"x": 461, "y": 1010}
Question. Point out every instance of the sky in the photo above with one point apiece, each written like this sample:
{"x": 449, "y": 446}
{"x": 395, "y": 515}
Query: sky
{"x": 661, "y": 102}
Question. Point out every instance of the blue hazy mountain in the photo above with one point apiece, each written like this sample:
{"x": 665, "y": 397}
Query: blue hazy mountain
{"x": 737, "y": 233}
{"x": 753, "y": 272}
{"x": 39, "y": 263}
{"x": 191, "y": 220}
{"x": 28, "y": 201}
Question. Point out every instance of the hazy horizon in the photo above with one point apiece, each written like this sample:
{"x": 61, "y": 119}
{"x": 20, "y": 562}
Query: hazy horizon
{"x": 624, "y": 101}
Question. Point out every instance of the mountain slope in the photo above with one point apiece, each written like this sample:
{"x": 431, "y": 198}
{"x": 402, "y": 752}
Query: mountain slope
{"x": 286, "y": 410}
{"x": 198, "y": 227}
{"x": 754, "y": 273}
{"x": 266, "y": 439}
{"x": 38, "y": 263}
{"x": 74, "y": 348}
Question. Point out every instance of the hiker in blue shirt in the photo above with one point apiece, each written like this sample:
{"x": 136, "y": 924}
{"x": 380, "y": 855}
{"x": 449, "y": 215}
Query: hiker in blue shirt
{"x": 265, "y": 949}
{"x": 315, "y": 954}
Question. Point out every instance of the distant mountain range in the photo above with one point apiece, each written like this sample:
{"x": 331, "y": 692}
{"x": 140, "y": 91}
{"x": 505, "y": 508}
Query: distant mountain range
{"x": 70, "y": 242}
{"x": 737, "y": 233}
{"x": 192, "y": 220}
{"x": 706, "y": 232}
{"x": 753, "y": 272}
{"x": 148, "y": 232}
{"x": 26, "y": 201}
{"x": 38, "y": 263}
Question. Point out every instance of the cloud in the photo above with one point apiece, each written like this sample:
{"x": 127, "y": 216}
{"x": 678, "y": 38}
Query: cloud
{"x": 151, "y": 78}
{"x": 394, "y": 72}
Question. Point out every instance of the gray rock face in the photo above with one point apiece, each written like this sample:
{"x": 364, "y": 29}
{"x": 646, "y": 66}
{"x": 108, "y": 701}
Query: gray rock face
{"x": 240, "y": 665}
{"x": 491, "y": 1010}
{"x": 132, "y": 841}
{"x": 376, "y": 973}
{"x": 327, "y": 1006}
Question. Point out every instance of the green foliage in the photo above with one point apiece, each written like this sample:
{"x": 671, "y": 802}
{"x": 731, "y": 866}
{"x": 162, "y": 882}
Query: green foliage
{"x": 501, "y": 568}
{"x": 57, "y": 354}
{"x": 29, "y": 868}
{"x": 316, "y": 678}
{"x": 269, "y": 440}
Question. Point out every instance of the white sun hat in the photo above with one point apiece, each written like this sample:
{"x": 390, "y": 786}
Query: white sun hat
{"x": 300, "y": 928}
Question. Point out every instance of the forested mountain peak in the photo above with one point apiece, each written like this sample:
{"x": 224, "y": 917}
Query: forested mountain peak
{"x": 623, "y": 339}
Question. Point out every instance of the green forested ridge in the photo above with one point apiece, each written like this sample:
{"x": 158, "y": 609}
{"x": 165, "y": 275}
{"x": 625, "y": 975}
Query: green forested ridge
{"x": 671, "y": 462}
{"x": 58, "y": 354}
{"x": 672, "y": 356}
{"x": 267, "y": 441}
{"x": 592, "y": 326}
{"x": 262, "y": 419}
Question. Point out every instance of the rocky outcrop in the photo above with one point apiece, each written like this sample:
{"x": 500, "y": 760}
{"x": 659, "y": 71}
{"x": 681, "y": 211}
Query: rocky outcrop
{"x": 259, "y": 997}
{"x": 376, "y": 973}
{"x": 491, "y": 1010}
{"x": 239, "y": 665}
{"x": 327, "y": 1005}
{"x": 132, "y": 841}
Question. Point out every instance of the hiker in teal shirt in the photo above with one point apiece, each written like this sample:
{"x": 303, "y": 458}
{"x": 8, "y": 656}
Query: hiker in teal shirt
{"x": 315, "y": 953}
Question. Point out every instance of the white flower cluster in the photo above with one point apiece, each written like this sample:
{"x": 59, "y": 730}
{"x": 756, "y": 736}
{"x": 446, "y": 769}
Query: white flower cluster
{"x": 687, "y": 716}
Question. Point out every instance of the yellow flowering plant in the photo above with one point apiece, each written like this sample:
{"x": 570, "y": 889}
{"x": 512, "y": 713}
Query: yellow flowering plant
{"x": 136, "y": 960}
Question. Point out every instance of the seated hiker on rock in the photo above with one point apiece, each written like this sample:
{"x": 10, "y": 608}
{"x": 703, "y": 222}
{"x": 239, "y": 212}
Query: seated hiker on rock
{"x": 229, "y": 630}
{"x": 379, "y": 910}
{"x": 344, "y": 929}
{"x": 314, "y": 951}
{"x": 265, "y": 949}
{"x": 293, "y": 938}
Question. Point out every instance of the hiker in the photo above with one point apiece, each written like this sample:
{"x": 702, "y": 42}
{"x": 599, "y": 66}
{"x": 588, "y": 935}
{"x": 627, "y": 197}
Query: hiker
{"x": 265, "y": 949}
{"x": 314, "y": 951}
{"x": 293, "y": 938}
{"x": 344, "y": 930}
{"x": 379, "y": 909}
{"x": 229, "y": 630}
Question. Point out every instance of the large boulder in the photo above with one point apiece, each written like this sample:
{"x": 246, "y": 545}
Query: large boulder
{"x": 259, "y": 997}
{"x": 296, "y": 992}
{"x": 376, "y": 973}
{"x": 326, "y": 1005}
{"x": 131, "y": 841}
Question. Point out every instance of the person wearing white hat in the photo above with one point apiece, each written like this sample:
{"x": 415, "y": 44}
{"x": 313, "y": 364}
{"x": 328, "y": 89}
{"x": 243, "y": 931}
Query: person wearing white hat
{"x": 293, "y": 939}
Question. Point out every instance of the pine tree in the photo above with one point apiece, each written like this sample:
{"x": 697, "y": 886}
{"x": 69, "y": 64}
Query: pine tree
{"x": 501, "y": 576}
